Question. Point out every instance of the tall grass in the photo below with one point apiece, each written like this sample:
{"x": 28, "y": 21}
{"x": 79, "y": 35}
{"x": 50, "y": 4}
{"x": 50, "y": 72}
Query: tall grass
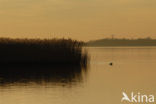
{"x": 47, "y": 52}
{"x": 42, "y": 75}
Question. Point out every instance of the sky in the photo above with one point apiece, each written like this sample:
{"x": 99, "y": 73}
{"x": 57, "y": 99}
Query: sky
{"x": 77, "y": 19}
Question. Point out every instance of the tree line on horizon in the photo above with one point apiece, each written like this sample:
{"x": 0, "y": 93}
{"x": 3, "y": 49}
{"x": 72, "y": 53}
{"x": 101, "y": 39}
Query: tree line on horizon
{"x": 122, "y": 42}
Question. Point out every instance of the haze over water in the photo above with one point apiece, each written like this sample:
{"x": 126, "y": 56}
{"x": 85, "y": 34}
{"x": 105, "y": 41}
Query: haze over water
{"x": 133, "y": 70}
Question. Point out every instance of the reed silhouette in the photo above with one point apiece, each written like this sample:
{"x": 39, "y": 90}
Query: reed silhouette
{"x": 39, "y": 75}
{"x": 37, "y": 52}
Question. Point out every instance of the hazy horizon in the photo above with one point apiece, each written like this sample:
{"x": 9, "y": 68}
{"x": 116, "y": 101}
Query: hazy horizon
{"x": 77, "y": 19}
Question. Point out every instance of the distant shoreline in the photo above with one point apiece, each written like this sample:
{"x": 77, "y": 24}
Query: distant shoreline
{"x": 147, "y": 42}
{"x": 118, "y": 46}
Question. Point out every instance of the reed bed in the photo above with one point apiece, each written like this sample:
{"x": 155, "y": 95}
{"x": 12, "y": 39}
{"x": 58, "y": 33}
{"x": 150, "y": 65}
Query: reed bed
{"x": 48, "y": 52}
{"x": 42, "y": 75}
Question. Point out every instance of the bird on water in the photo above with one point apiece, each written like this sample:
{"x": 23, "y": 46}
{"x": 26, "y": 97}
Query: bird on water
{"x": 111, "y": 64}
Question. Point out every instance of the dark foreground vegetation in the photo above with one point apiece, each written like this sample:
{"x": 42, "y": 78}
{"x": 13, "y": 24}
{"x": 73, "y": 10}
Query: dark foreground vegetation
{"x": 122, "y": 42}
{"x": 37, "y": 52}
{"x": 65, "y": 75}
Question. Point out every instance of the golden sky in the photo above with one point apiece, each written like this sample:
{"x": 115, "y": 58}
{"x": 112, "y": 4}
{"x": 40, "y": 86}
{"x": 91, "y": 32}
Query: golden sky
{"x": 77, "y": 19}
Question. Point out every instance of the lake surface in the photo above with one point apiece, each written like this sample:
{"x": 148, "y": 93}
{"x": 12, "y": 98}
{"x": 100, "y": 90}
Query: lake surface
{"x": 133, "y": 69}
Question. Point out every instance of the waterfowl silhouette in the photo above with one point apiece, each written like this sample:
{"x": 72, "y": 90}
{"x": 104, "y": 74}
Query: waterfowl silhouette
{"x": 111, "y": 63}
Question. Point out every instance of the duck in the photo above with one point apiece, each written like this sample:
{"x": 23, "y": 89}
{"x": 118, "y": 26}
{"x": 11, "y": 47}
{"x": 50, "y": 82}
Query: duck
{"x": 111, "y": 64}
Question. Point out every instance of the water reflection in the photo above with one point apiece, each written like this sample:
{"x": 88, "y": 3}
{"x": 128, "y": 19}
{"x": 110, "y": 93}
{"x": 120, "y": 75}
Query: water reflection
{"x": 55, "y": 75}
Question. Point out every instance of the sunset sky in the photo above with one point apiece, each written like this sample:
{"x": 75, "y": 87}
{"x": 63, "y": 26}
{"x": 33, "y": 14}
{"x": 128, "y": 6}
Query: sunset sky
{"x": 77, "y": 19}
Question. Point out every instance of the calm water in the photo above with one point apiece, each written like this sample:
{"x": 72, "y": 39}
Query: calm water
{"x": 134, "y": 69}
